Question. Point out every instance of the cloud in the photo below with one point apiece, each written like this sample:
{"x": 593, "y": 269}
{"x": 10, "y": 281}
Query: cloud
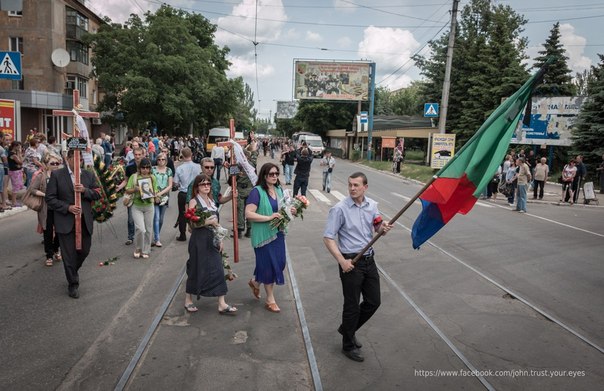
{"x": 345, "y": 6}
{"x": 245, "y": 67}
{"x": 390, "y": 48}
{"x": 313, "y": 37}
{"x": 575, "y": 47}
{"x": 118, "y": 10}
{"x": 239, "y": 30}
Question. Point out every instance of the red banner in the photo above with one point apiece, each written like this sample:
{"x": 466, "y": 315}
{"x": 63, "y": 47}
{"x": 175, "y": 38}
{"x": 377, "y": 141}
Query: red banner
{"x": 7, "y": 118}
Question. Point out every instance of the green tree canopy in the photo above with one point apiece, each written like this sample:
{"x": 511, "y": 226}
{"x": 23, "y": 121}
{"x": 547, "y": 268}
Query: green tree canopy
{"x": 558, "y": 79}
{"x": 166, "y": 69}
{"x": 588, "y": 131}
{"x": 318, "y": 117}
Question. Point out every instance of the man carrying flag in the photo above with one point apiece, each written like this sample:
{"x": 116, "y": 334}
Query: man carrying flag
{"x": 457, "y": 186}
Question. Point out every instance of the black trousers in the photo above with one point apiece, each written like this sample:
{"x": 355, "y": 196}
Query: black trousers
{"x": 72, "y": 258}
{"x": 362, "y": 280}
{"x": 182, "y": 207}
{"x": 51, "y": 240}
{"x": 538, "y": 185}
{"x": 300, "y": 183}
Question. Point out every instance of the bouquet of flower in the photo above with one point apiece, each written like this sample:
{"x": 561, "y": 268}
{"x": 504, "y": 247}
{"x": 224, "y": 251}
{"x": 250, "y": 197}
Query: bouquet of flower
{"x": 197, "y": 217}
{"x": 229, "y": 274}
{"x": 285, "y": 210}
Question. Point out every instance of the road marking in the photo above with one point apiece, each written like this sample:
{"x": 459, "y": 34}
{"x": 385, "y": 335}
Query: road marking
{"x": 556, "y": 222}
{"x": 485, "y": 205}
{"x": 338, "y": 195}
{"x": 419, "y": 202}
{"x": 319, "y": 196}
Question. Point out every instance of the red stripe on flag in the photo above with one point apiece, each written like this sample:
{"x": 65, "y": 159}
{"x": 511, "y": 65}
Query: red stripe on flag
{"x": 452, "y": 195}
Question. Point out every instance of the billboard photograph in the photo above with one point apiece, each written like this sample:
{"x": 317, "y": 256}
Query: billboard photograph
{"x": 286, "y": 109}
{"x": 550, "y": 122}
{"x": 331, "y": 80}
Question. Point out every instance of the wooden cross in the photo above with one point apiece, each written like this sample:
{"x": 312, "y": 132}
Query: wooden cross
{"x": 76, "y": 158}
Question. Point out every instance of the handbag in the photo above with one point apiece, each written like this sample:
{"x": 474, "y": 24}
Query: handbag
{"x": 31, "y": 200}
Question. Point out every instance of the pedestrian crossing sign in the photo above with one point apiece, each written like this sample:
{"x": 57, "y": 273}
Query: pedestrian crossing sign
{"x": 10, "y": 65}
{"x": 431, "y": 110}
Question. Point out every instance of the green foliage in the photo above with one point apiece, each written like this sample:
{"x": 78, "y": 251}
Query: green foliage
{"x": 167, "y": 69}
{"x": 318, "y": 117}
{"x": 488, "y": 43}
{"x": 557, "y": 80}
{"x": 588, "y": 131}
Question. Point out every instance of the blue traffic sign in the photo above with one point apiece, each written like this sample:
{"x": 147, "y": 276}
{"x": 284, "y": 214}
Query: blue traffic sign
{"x": 10, "y": 65}
{"x": 431, "y": 110}
{"x": 364, "y": 118}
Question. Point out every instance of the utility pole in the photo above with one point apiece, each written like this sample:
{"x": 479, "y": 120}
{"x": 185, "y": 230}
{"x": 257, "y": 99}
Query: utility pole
{"x": 444, "y": 104}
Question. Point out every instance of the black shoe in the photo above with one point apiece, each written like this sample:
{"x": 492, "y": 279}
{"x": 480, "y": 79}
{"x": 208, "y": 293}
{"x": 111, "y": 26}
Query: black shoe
{"x": 182, "y": 238}
{"x": 248, "y": 232}
{"x": 239, "y": 233}
{"x": 354, "y": 355}
{"x": 73, "y": 292}
{"x": 356, "y": 343}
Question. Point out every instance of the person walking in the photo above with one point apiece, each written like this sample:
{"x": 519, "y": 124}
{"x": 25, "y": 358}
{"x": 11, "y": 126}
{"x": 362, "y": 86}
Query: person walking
{"x": 60, "y": 198}
{"x": 524, "y": 177}
{"x": 568, "y": 176}
{"x": 142, "y": 207}
{"x": 46, "y": 219}
{"x": 15, "y": 170}
{"x": 131, "y": 169}
{"x": 164, "y": 178}
{"x": 288, "y": 157}
{"x": 218, "y": 155}
{"x": 262, "y": 206}
{"x": 350, "y": 226}
{"x": 185, "y": 174}
{"x": 510, "y": 182}
{"x": 205, "y": 272}
{"x": 302, "y": 171}
{"x": 579, "y": 177}
{"x": 541, "y": 175}
{"x": 328, "y": 163}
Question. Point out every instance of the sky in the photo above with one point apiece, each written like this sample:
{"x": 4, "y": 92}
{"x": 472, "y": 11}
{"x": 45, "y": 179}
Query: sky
{"x": 388, "y": 32}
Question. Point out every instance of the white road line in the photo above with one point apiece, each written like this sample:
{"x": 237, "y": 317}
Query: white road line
{"x": 338, "y": 195}
{"x": 419, "y": 202}
{"x": 555, "y": 222}
{"x": 319, "y": 196}
{"x": 485, "y": 205}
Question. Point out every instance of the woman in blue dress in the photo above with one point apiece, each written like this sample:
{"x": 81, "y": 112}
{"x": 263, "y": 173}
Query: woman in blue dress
{"x": 205, "y": 272}
{"x": 262, "y": 206}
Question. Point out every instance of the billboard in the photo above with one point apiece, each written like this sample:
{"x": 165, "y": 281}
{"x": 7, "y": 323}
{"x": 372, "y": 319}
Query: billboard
{"x": 443, "y": 149}
{"x": 7, "y": 118}
{"x": 550, "y": 121}
{"x": 331, "y": 80}
{"x": 286, "y": 109}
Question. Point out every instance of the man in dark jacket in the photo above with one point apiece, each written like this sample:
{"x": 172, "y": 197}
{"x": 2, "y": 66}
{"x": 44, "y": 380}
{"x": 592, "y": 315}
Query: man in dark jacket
{"x": 60, "y": 197}
{"x": 302, "y": 171}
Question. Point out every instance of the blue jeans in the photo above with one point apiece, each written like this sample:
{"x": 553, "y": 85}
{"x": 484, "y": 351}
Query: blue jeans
{"x": 130, "y": 224}
{"x": 158, "y": 220}
{"x": 521, "y": 205}
{"x": 288, "y": 170}
{"x": 327, "y": 181}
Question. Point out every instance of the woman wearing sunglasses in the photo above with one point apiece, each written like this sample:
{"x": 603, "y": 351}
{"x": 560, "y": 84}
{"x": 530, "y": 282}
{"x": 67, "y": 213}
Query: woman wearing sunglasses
{"x": 205, "y": 272}
{"x": 262, "y": 206}
{"x": 143, "y": 208}
{"x": 164, "y": 178}
{"x": 46, "y": 221}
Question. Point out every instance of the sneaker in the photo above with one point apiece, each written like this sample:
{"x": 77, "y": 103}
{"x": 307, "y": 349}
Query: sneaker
{"x": 522, "y": 211}
{"x": 182, "y": 238}
{"x": 129, "y": 242}
{"x": 511, "y": 204}
{"x": 158, "y": 244}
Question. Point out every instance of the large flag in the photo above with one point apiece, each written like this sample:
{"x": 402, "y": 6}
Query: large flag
{"x": 459, "y": 183}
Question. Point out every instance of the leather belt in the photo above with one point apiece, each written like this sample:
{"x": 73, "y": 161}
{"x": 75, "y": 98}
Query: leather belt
{"x": 368, "y": 256}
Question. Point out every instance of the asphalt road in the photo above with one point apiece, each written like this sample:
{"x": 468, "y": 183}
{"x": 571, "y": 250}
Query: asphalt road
{"x": 458, "y": 303}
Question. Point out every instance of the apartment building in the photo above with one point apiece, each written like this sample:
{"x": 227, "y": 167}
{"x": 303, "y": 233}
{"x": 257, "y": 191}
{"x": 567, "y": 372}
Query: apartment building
{"x": 42, "y": 28}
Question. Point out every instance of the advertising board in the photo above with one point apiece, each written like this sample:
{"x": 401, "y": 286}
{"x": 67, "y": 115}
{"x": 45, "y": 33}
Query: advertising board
{"x": 331, "y": 80}
{"x": 7, "y": 118}
{"x": 443, "y": 149}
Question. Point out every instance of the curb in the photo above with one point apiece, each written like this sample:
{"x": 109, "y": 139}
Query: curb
{"x": 13, "y": 211}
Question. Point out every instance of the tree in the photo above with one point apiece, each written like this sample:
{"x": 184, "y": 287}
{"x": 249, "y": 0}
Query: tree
{"x": 166, "y": 69}
{"x": 583, "y": 82}
{"x": 488, "y": 42}
{"x": 318, "y": 117}
{"x": 588, "y": 131}
{"x": 557, "y": 80}
{"x": 408, "y": 101}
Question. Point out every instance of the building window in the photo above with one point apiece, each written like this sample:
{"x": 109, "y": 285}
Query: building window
{"x": 78, "y": 52}
{"x": 15, "y": 44}
{"x": 77, "y": 24}
{"x": 78, "y": 82}
{"x": 15, "y": 13}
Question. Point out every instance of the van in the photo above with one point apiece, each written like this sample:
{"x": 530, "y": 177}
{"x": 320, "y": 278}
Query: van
{"x": 313, "y": 141}
{"x": 219, "y": 133}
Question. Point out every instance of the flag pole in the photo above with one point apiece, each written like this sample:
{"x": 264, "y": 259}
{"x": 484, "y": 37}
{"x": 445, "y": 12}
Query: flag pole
{"x": 380, "y": 233}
